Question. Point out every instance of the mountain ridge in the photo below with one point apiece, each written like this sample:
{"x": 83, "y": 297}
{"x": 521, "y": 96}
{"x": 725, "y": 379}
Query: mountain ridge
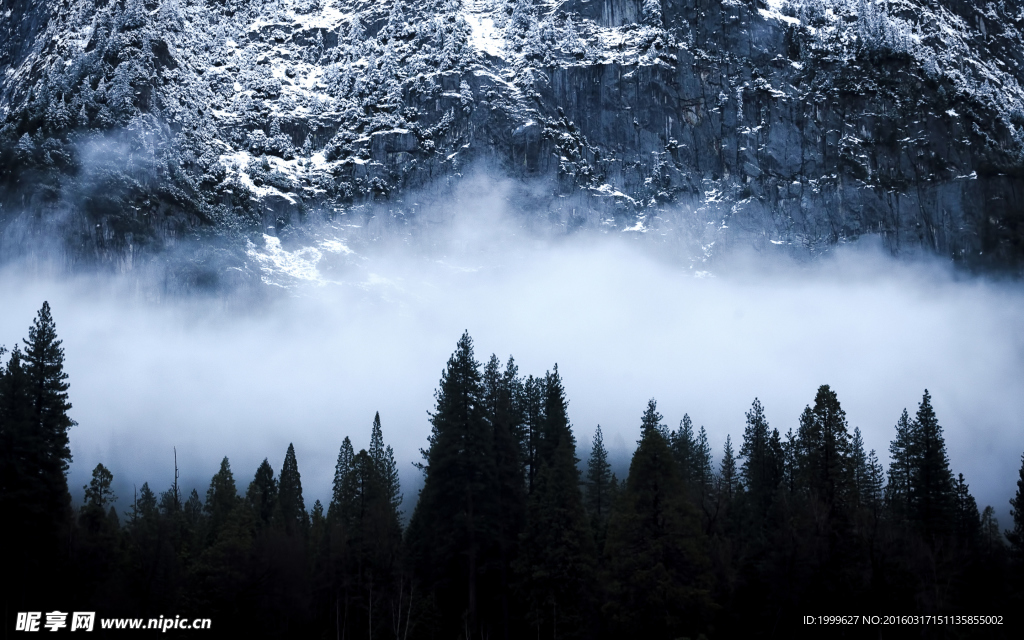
{"x": 129, "y": 127}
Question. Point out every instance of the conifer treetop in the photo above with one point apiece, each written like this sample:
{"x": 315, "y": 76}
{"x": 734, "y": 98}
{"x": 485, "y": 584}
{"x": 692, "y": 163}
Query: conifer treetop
{"x": 651, "y": 420}
{"x": 43, "y": 362}
{"x": 1016, "y": 535}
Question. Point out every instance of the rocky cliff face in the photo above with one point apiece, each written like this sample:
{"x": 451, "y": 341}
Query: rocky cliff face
{"x": 130, "y": 126}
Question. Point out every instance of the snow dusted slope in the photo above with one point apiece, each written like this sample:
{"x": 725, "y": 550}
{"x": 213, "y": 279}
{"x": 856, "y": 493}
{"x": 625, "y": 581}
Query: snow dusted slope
{"x": 127, "y": 126}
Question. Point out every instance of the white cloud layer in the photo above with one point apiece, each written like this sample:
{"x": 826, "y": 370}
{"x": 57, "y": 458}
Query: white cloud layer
{"x": 313, "y": 365}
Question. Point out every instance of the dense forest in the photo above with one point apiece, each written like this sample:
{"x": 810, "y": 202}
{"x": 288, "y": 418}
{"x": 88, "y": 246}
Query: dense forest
{"x": 509, "y": 538}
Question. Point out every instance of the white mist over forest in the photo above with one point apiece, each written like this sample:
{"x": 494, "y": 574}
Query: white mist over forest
{"x": 313, "y": 363}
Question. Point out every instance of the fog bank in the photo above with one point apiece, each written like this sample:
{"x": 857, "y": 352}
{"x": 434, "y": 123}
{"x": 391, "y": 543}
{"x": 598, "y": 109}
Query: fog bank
{"x": 364, "y": 321}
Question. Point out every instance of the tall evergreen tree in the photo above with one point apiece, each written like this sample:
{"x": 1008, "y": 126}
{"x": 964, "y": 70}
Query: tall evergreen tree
{"x": 97, "y": 550}
{"x": 147, "y": 551}
{"x": 704, "y": 471}
{"x": 728, "y": 479}
{"x": 1016, "y": 534}
{"x": 554, "y": 422}
{"x": 374, "y": 541}
{"x": 281, "y": 555}
{"x": 338, "y": 587}
{"x": 824, "y": 455}
{"x": 262, "y": 494}
{"x": 703, "y": 486}
{"x": 991, "y": 537}
{"x": 453, "y": 524}
{"x": 762, "y": 463}
{"x": 875, "y": 484}
{"x": 533, "y": 410}
{"x": 193, "y": 510}
{"x": 290, "y": 507}
{"x": 34, "y": 424}
{"x": 341, "y": 498}
{"x": 659, "y": 568}
{"x": 21, "y": 445}
{"x": 684, "y": 447}
{"x": 44, "y": 368}
{"x": 224, "y": 566}
{"x": 98, "y": 494}
{"x": 504, "y": 400}
{"x": 791, "y": 467}
{"x": 557, "y": 549}
{"x": 381, "y": 533}
{"x": 966, "y": 519}
{"x": 599, "y": 489}
{"x": 901, "y": 469}
{"x": 651, "y": 420}
{"x": 221, "y": 498}
{"x": 387, "y": 489}
{"x": 932, "y": 490}
{"x": 859, "y": 468}
{"x": 317, "y": 532}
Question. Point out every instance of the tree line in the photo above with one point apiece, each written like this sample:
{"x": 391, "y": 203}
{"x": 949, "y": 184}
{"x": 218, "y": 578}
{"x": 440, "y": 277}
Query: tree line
{"x": 508, "y": 537}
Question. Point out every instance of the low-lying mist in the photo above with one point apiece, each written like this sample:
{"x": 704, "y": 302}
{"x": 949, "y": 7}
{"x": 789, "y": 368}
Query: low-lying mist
{"x": 364, "y": 320}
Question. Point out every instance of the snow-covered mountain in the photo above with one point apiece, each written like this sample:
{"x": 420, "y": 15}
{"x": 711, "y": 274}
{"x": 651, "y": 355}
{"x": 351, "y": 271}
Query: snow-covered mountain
{"x": 127, "y": 126}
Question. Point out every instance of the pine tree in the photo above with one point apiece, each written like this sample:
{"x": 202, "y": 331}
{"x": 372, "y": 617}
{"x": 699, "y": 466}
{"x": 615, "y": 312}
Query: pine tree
{"x": 379, "y": 495}
{"x": 504, "y": 400}
{"x": 762, "y": 460}
{"x": 860, "y": 471}
{"x": 291, "y": 509}
{"x": 658, "y": 557}
{"x": 317, "y": 530}
{"x": 875, "y": 485}
{"x": 262, "y": 494}
{"x": 967, "y": 521}
{"x": 599, "y": 478}
{"x": 652, "y": 420}
{"x": 341, "y": 498}
{"x": 777, "y": 455}
{"x": 702, "y": 489}
{"x": 222, "y": 569}
{"x": 21, "y": 444}
{"x": 50, "y": 422}
{"x": 651, "y": 11}
{"x": 791, "y": 467}
{"x": 453, "y": 524}
{"x": 374, "y": 540}
{"x": 193, "y": 510}
{"x": 728, "y": 481}
{"x": 533, "y": 396}
{"x": 684, "y": 446}
{"x": 558, "y": 554}
{"x": 147, "y": 552}
{"x": 387, "y": 489}
{"x": 992, "y": 542}
{"x": 98, "y": 494}
{"x": 571, "y": 41}
{"x": 221, "y": 498}
{"x": 901, "y": 469}
{"x": 932, "y": 489}
{"x": 554, "y": 418}
{"x": 381, "y": 530}
{"x": 97, "y": 549}
{"x": 520, "y": 24}
{"x": 824, "y": 456}
{"x": 34, "y": 422}
{"x": 1016, "y": 535}
{"x": 343, "y": 515}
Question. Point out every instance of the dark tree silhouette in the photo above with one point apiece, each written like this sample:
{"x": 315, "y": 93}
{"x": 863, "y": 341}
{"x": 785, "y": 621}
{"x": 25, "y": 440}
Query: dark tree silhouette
{"x": 453, "y": 526}
{"x": 557, "y": 549}
{"x": 659, "y": 584}
{"x": 34, "y": 424}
